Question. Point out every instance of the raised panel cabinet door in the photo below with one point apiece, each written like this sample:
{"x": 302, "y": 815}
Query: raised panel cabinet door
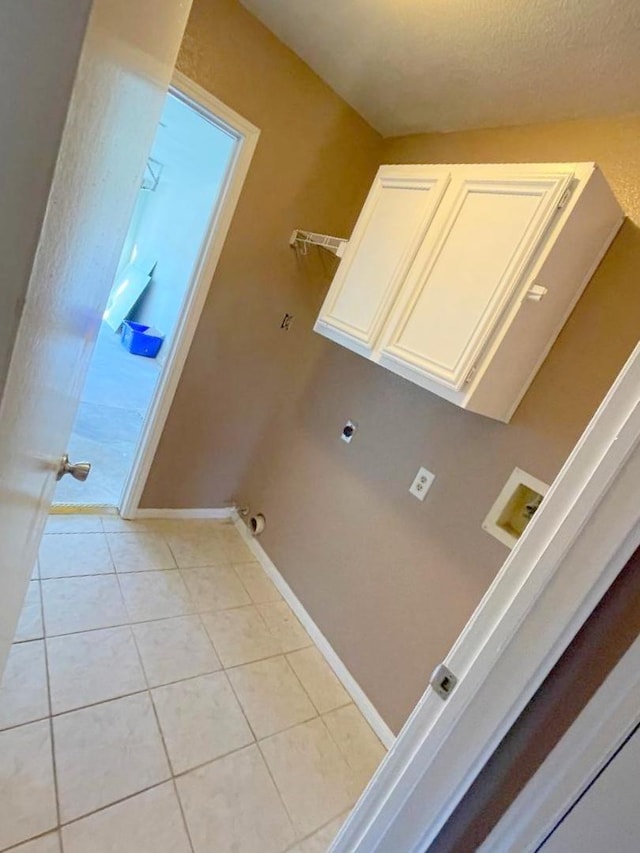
{"x": 385, "y": 240}
{"x": 473, "y": 263}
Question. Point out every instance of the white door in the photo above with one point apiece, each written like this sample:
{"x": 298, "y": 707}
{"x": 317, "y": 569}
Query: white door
{"x": 468, "y": 270}
{"x": 607, "y": 816}
{"x": 386, "y": 237}
{"x": 122, "y": 78}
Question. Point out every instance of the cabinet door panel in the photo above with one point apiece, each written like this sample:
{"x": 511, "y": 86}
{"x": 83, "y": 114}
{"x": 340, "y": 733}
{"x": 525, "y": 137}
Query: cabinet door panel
{"x": 469, "y": 271}
{"x": 385, "y": 241}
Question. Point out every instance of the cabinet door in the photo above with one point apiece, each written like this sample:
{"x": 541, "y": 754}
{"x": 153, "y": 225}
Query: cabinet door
{"x": 385, "y": 240}
{"x": 471, "y": 266}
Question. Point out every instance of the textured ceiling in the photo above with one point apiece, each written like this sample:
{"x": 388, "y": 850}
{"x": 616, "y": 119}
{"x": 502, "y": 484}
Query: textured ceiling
{"x": 435, "y": 65}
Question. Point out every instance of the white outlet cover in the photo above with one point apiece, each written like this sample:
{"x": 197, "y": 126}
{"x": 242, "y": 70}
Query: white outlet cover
{"x": 422, "y": 483}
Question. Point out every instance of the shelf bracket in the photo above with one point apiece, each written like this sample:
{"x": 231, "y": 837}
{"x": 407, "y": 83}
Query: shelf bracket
{"x": 301, "y": 240}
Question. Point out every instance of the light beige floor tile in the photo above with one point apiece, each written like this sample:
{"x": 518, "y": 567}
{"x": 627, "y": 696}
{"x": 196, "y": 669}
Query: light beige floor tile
{"x": 284, "y": 625}
{"x": 45, "y": 844}
{"x": 63, "y": 523}
{"x": 23, "y": 689}
{"x": 82, "y": 604}
{"x": 321, "y": 840}
{"x": 315, "y": 781}
{"x": 196, "y": 545}
{"x": 105, "y": 753}
{"x": 215, "y": 588}
{"x": 258, "y": 585}
{"x": 68, "y": 554}
{"x": 232, "y": 804}
{"x": 356, "y": 741}
{"x": 140, "y": 552}
{"x": 150, "y": 822}
{"x": 318, "y": 679}
{"x": 27, "y": 793}
{"x": 234, "y": 546}
{"x": 271, "y": 696}
{"x": 30, "y": 624}
{"x": 174, "y": 649}
{"x": 200, "y": 720}
{"x": 155, "y": 595}
{"x": 93, "y": 667}
{"x": 115, "y": 524}
{"x": 240, "y": 636}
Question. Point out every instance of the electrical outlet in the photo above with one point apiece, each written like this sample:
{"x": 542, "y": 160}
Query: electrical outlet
{"x": 422, "y": 483}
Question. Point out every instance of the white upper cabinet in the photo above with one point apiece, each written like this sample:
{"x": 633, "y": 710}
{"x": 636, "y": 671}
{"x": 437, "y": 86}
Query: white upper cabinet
{"x": 468, "y": 271}
{"x": 459, "y": 278}
{"x": 389, "y": 232}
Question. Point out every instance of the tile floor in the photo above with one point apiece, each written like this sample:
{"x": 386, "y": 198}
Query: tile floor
{"x": 115, "y": 400}
{"x": 161, "y": 697}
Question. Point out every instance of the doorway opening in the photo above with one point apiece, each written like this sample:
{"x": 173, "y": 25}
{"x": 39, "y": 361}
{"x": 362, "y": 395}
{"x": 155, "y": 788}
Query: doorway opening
{"x": 143, "y": 328}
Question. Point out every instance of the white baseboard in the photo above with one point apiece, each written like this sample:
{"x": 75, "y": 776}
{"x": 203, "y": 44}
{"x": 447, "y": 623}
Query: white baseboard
{"x": 348, "y": 681}
{"x": 224, "y": 512}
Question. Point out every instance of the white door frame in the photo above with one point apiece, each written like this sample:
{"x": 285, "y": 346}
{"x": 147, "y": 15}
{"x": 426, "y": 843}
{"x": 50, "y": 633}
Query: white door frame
{"x": 585, "y": 531}
{"x": 600, "y": 730}
{"x": 198, "y": 287}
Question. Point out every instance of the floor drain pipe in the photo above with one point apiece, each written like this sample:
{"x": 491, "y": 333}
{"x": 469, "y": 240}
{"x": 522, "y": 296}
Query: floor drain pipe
{"x": 256, "y": 524}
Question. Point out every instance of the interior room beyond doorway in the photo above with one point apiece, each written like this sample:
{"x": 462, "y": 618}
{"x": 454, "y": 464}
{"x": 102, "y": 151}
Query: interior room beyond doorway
{"x": 186, "y": 172}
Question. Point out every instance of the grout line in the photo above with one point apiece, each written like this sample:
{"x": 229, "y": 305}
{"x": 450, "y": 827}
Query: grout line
{"x": 113, "y": 563}
{"x": 266, "y": 764}
{"x": 296, "y": 832}
{"x": 330, "y": 710}
{"x": 259, "y": 740}
{"x": 148, "y": 689}
{"x": 184, "y": 817}
{"x": 319, "y": 829}
{"x": 32, "y": 838}
{"x": 162, "y": 738}
{"x": 100, "y": 702}
{"x": 159, "y": 727}
{"x": 71, "y": 577}
{"x": 242, "y": 584}
{"x": 151, "y": 687}
{"x": 152, "y": 619}
{"x": 51, "y": 733}
{"x": 337, "y": 745}
{"x": 183, "y": 773}
{"x": 25, "y": 723}
{"x": 301, "y": 683}
{"x": 241, "y": 706}
{"x": 210, "y": 639}
{"x": 114, "y": 803}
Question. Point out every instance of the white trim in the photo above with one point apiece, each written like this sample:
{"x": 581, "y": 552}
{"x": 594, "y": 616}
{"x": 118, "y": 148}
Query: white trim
{"x": 586, "y": 529}
{"x": 198, "y": 289}
{"x": 349, "y": 683}
{"x": 224, "y": 512}
{"x": 604, "y": 724}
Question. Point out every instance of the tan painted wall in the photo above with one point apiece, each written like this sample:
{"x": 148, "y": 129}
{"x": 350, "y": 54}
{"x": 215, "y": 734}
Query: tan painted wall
{"x": 259, "y": 411}
{"x": 312, "y": 168}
